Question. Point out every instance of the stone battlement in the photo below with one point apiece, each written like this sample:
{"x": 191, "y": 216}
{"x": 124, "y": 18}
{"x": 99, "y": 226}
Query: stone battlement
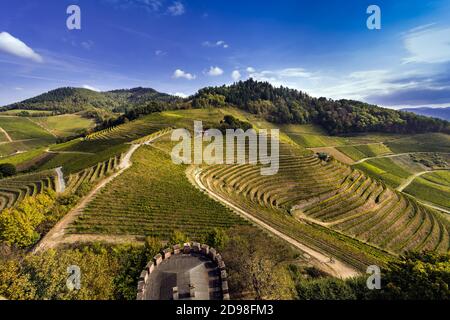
{"x": 194, "y": 248}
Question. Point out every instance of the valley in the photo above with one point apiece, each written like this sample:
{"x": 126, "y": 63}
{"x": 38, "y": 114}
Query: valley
{"x": 340, "y": 203}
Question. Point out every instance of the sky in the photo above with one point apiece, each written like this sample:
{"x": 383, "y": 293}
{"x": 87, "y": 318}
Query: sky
{"x": 323, "y": 47}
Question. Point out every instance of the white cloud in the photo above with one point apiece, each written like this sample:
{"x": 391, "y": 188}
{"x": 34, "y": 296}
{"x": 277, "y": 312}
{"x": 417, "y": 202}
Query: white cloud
{"x": 181, "y": 94}
{"x": 181, "y": 74}
{"x": 86, "y": 86}
{"x": 251, "y": 70}
{"x": 428, "y": 44}
{"x": 17, "y": 48}
{"x": 214, "y": 72}
{"x": 236, "y": 75}
{"x": 217, "y": 44}
{"x": 176, "y": 9}
{"x": 281, "y": 76}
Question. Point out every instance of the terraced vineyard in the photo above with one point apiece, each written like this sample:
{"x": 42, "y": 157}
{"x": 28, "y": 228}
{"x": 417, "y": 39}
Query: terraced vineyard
{"x": 94, "y": 173}
{"x": 13, "y": 190}
{"x": 302, "y": 176}
{"x": 332, "y": 202}
{"x": 128, "y": 131}
{"x": 155, "y": 198}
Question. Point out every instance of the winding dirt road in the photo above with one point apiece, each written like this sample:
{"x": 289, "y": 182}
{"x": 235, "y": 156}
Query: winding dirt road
{"x": 61, "y": 187}
{"x": 57, "y": 234}
{"x": 336, "y": 267}
{"x": 6, "y": 135}
{"x": 410, "y": 179}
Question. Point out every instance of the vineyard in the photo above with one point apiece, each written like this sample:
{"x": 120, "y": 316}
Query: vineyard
{"x": 333, "y": 203}
{"x": 94, "y": 173}
{"x": 154, "y": 198}
{"x": 15, "y": 189}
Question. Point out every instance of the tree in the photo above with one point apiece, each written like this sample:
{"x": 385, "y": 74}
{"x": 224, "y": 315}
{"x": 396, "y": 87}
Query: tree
{"x": 255, "y": 266}
{"x": 18, "y": 225}
{"x": 417, "y": 276}
{"x": 216, "y": 238}
{"x": 178, "y": 237}
{"x": 7, "y": 169}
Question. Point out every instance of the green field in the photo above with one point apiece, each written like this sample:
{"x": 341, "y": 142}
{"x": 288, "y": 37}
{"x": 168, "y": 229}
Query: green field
{"x": 153, "y": 198}
{"x": 386, "y": 170}
{"x": 429, "y": 142}
{"x": 432, "y": 187}
{"x": 359, "y": 152}
{"x": 25, "y": 134}
{"x": 65, "y": 125}
{"x": 31, "y": 112}
{"x": 313, "y": 136}
{"x": 438, "y": 177}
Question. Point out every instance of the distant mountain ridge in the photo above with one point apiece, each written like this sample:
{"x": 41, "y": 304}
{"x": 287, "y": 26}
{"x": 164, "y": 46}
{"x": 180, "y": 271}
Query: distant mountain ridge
{"x": 441, "y": 113}
{"x": 71, "y": 100}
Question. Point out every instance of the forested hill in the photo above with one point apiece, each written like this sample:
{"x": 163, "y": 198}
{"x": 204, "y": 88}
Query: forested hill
{"x": 70, "y": 100}
{"x": 284, "y": 105}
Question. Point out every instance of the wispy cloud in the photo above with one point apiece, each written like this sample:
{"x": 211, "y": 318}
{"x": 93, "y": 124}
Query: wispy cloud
{"x": 178, "y": 74}
{"x": 176, "y": 9}
{"x": 18, "y": 48}
{"x": 148, "y": 5}
{"x": 280, "y": 75}
{"x": 428, "y": 44}
{"x": 87, "y": 44}
{"x": 217, "y": 44}
{"x": 160, "y": 53}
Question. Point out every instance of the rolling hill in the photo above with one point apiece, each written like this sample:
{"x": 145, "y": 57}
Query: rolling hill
{"x": 71, "y": 100}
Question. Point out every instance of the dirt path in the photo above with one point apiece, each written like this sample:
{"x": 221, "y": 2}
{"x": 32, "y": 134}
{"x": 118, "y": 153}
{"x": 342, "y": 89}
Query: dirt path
{"x": 431, "y": 206}
{"x": 338, "y": 268}
{"x": 57, "y": 234}
{"x": 61, "y": 186}
{"x": 6, "y": 135}
{"x": 110, "y": 239}
{"x": 410, "y": 179}
{"x": 68, "y": 152}
{"x": 43, "y": 127}
{"x": 396, "y": 155}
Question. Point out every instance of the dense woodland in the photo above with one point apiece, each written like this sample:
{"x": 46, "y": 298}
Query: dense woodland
{"x": 284, "y": 105}
{"x": 71, "y": 100}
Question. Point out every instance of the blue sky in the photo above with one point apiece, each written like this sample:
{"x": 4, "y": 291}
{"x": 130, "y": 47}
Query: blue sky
{"x": 178, "y": 47}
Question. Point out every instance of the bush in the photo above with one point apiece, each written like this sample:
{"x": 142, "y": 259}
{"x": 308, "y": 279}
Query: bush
{"x": 178, "y": 237}
{"x": 7, "y": 170}
{"x": 216, "y": 238}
